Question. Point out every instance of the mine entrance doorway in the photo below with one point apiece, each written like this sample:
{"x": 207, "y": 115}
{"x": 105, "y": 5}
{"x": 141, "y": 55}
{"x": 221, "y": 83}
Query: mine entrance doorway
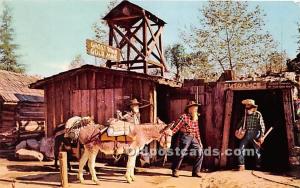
{"x": 275, "y": 148}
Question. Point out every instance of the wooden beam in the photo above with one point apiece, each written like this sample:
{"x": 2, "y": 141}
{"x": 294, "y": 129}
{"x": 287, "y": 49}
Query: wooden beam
{"x": 128, "y": 47}
{"x": 153, "y": 116}
{"x": 125, "y": 18}
{"x": 153, "y": 43}
{"x": 130, "y": 35}
{"x": 153, "y": 36}
{"x": 226, "y": 129}
{"x": 141, "y": 67}
{"x": 128, "y": 41}
{"x": 155, "y": 63}
{"x": 151, "y": 25}
{"x": 125, "y": 62}
{"x": 117, "y": 43}
{"x": 110, "y": 42}
{"x": 145, "y": 44}
{"x": 162, "y": 51}
{"x": 288, "y": 116}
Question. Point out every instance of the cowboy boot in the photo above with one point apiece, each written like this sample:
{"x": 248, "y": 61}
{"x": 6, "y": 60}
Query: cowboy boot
{"x": 175, "y": 173}
{"x": 196, "y": 174}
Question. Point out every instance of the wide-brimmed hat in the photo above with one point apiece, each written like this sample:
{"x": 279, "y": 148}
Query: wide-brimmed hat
{"x": 192, "y": 103}
{"x": 134, "y": 102}
{"x": 250, "y": 102}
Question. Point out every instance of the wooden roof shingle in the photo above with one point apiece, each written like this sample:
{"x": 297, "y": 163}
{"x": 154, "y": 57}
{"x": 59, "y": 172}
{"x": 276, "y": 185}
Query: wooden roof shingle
{"x": 14, "y": 87}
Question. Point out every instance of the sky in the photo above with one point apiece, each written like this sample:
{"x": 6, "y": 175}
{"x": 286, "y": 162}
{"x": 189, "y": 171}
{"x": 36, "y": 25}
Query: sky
{"x": 50, "y": 33}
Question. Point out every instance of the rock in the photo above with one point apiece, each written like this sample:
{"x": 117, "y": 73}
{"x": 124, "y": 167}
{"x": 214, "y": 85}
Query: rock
{"x": 31, "y": 126}
{"x": 33, "y": 144}
{"x": 21, "y": 145}
{"x": 29, "y": 144}
{"x": 29, "y": 155}
{"x": 47, "y": 147}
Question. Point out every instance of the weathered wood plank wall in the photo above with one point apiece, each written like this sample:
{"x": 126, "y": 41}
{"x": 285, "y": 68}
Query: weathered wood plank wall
{"x": 97, "y": 94}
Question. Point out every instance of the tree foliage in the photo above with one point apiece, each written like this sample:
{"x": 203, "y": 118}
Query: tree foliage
{"x": 232, "y": 36}
{"x": 188, "y": 65}
{"x": 176, "y": 57}
{"x": 8, "y": 57}
{"x": 276, "y": 63}
{"x": 77, "y": 62}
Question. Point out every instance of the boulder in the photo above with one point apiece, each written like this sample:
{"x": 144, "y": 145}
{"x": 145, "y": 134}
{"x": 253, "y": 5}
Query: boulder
{"x": 29, "y": 144}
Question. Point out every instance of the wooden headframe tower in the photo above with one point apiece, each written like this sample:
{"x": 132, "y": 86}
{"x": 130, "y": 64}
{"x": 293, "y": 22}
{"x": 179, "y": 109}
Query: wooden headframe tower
{"x": 138, "y": 34}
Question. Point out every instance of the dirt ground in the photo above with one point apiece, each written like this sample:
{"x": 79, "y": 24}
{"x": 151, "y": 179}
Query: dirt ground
{"x": 42, "y": 174}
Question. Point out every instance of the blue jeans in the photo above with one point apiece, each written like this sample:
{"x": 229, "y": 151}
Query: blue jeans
{"x": 248, "y": 138}
{"x": 187, "y": 141}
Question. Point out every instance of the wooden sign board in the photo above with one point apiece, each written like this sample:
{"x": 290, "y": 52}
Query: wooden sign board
{"x": 97, "y": 49}
{"x": 257, "y": 85}
{"x": 245, "y": 85}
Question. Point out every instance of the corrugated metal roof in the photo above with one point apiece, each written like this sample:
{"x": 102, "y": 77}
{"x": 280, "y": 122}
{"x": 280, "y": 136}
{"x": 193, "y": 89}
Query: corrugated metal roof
{"x": 14, "y": 87}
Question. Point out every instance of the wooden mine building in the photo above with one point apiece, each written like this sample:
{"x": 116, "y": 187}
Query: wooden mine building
{"x": 20, "y": 107}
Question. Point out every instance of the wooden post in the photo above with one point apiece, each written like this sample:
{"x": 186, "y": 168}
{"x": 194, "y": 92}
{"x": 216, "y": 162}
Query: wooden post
{"x": 226, "y": 129}
{"x": 110, "y": 42}
{"x": 288, "y": 116}
{"x": 153, "y": 117}
{"x": 145, "y": 44}
{"x": 63, "y": 169}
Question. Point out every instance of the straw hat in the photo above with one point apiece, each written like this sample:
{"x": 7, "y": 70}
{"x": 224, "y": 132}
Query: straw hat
{"x": 134, "y": 102}
{"x": 250, "y": 102}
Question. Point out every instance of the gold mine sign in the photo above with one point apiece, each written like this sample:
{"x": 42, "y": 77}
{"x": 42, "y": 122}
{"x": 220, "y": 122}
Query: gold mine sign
{"x": 103, "y": 51}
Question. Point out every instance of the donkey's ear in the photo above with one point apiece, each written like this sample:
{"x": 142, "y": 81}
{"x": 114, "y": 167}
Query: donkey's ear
{"x": 159, "y": 121}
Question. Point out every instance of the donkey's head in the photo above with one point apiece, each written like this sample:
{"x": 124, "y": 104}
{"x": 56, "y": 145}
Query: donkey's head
{"x": 165, "y": 135}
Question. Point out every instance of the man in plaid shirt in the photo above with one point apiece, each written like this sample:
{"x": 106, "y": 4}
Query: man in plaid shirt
{"x": 255, "y": 129}
{"x": 189, "y": 136}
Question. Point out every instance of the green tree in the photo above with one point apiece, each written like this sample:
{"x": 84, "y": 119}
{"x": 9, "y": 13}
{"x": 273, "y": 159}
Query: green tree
{"x": 8, "y": 57}
{"x": 232, "y": 36}
{"x": 188, "y": 65}
{"x": 176, "y": 57}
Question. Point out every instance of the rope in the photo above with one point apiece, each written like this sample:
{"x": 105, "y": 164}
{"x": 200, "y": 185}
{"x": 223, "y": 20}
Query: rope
{"x": 252, "y": 172}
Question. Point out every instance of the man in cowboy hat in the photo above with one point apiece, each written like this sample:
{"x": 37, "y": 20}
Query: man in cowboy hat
{"x": 255, "y": 128}
{"x": 134, "y": 117}
{"x": 189, "y": 136}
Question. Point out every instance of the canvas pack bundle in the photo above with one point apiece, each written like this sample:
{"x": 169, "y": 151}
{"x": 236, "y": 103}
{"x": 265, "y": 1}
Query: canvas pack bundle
{"x": 118, "y": 127}
{"x": 240, "y": 133}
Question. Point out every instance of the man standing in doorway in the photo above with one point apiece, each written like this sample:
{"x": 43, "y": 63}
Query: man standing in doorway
{"x": 189, "y": 136}
{"x": 255, "y": 128}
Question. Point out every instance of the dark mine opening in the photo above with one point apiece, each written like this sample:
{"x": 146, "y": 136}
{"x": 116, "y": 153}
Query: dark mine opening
{"x": 275, "y": 148}
{"x": 162, "y": 103}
